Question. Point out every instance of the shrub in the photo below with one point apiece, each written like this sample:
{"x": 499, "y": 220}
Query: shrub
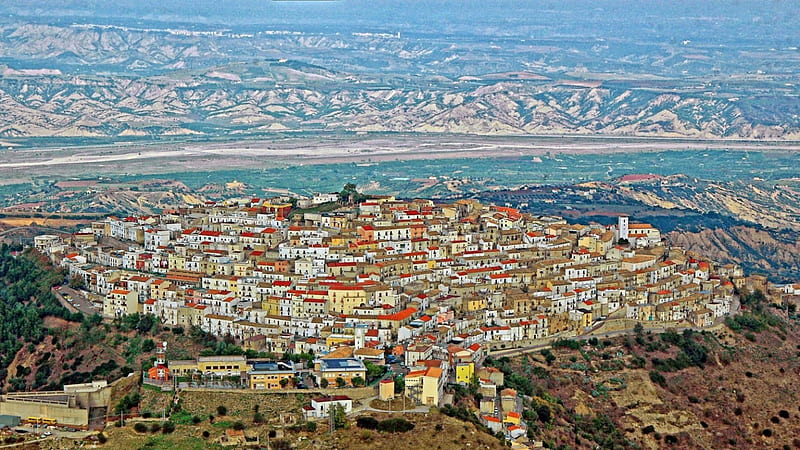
{"x": 648, "y": 429}
{"x": 101, "y": 438}
{"x": 395, "y": 425}
{"x": 671, "y": 439}
{"x": 140, "y": 427}
{"x": 366, "y": 422}
{"x": 656, "y": 377}
{"x": 196, "y": 420}
{"x": 238, "y": 425}
{"x": 784, "y": 413}
{"x": 155, "y": 427}
{"x": 766, "y": 432}
{"x": 311, "y": 427}
{"x": 206, "y": 434}
{"x": 258, "y": 418}
{"x": 222, "y": 410}
{"x": 168, "y": 428}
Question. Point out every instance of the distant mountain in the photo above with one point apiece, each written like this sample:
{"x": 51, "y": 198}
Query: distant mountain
{"x": 133, "y": 78}
{"x": 287, "y": 95}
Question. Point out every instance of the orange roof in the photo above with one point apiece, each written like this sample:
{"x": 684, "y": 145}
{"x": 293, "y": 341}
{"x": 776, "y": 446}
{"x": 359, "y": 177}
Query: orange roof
{"x": 401, "y": 315}
{"x": 434, "y": 372}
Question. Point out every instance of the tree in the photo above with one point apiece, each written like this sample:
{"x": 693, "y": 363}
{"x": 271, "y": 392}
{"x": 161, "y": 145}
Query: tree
{"x": 357, "y": 381}
{"x": 77, "y": 282}
{"x": 339, "y": 416}
{"x": 284, "y": 382}
{"x": 222, "y": 410}
{"x": 543, "y": 411}
{"x": 399, "y": 384}
{"x": 323, "y": 383}
{"x": 148, "y": 345}
{"x": 340, "y": 382}
{"x": 374, "y": 370}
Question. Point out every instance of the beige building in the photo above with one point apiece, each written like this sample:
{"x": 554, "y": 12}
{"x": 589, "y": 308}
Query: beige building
{"x": 121, "y": 302}
{"x": 425, "y": 386}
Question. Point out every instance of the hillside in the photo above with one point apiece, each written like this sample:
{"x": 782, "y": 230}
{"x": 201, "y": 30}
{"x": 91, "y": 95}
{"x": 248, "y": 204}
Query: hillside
{"x": 720, "y": 389}
{"x": 755, "y": 249}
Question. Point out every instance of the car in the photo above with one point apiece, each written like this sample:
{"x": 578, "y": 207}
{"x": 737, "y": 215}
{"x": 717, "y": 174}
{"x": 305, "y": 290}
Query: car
{"x": 77, "y": 305}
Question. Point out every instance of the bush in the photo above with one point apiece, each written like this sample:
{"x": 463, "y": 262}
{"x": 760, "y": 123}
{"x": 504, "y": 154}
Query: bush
{"x": 140, "y": 427}
{"x": 155, "y": 428}
{"x": 206, "y": 434}
{"x": 168, "y": 428}
{"x": 222, "y": 410}
{"x": 656, "y": 377}
{"x": 648, "y": 429}
{"x": 395, "y": 425}
{"x": 767, "y": 432}
{"x": 311, "y": 427}
{"x": 369, "y": 423}
{"x": 101, "y": 438}
{"x": 238, "y": 425}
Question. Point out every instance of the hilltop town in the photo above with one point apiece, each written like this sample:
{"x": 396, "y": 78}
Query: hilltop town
{"x": 429, "y": 288}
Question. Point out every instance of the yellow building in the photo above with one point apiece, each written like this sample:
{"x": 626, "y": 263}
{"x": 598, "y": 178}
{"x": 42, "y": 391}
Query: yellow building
{"x": 232, "y": 365}
{"x": 464, "y": 372}
{"x": 268, "y": 375}
{"x": 474, "y": 303}
{"x": 342, "y": 299}
{"x": 386, "y": 389}
{"x": 425, "y": 386}
{"x": 121, "y": 302}
{"x": 344, "y": 368}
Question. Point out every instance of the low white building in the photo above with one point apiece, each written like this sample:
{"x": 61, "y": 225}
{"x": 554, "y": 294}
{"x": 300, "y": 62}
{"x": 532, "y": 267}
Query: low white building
{"x": 320, "y": 407}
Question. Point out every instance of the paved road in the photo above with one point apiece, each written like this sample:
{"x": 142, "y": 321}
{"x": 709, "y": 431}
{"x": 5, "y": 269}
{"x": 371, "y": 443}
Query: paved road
{"x": 532, "y": 348}
{"x": 365, "y": 407}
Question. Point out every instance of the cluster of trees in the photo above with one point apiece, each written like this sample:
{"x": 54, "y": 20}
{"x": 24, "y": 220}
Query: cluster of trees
{"x": 394, "y": 425}
{"x": 692, "y": 353}
{"x": 25, "y": 300}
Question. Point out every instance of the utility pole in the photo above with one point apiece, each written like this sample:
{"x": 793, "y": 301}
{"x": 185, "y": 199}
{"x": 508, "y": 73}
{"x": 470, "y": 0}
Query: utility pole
{"x": 330, "y": 416}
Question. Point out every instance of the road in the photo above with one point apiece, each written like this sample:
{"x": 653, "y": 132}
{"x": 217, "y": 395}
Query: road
{"x": 735, "y": 309}
{"x": 365, "y": 407}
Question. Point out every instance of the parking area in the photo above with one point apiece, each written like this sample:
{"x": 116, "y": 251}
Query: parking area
{"x": 75, "y": 300}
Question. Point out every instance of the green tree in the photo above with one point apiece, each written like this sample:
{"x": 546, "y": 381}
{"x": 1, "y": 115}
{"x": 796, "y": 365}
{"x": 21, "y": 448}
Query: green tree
{"x": 340, "y": 382}
{"x": 77, "y": 282}
{"x": 339, "y": 416}
{"x": 323, "y": 383}
{"x": 357, "y": 381}
{"x": 284, "y": 382}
